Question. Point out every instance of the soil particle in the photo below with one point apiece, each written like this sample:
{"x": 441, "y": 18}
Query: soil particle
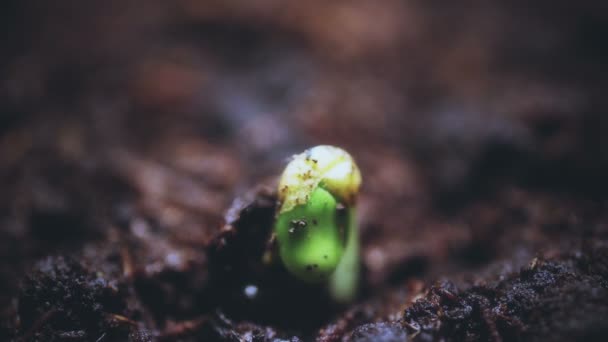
{"x": 62, "y": 299}
{"x": 379, "y": 332}
{"x": 527, "y": 305}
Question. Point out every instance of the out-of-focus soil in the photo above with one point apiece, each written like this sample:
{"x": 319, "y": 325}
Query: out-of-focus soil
{"x": 140, "y": 143}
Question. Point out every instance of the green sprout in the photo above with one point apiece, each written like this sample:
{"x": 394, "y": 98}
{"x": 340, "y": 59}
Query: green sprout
{"x": 316, "y": 226}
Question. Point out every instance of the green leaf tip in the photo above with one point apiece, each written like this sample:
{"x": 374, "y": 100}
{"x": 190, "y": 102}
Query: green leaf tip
{"x": 316, "y": 226}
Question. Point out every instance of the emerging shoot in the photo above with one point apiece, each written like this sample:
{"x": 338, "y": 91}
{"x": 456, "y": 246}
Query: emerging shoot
{"x": 316, "y": 226}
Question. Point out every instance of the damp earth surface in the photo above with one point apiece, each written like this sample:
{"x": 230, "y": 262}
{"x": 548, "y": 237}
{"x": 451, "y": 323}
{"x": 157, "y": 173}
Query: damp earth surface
{"x": 141, "y": 144}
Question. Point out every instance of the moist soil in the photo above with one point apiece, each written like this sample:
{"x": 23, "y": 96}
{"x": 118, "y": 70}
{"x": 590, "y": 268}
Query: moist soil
{"x": 140, "y": 145}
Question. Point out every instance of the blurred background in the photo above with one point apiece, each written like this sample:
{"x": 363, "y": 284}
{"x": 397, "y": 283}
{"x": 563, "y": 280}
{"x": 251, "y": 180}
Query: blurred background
{"x": 480, "y": 128}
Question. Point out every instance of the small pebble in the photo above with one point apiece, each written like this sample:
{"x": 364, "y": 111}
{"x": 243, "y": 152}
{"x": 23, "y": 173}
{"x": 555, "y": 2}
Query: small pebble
{"x": 251, "y": 291}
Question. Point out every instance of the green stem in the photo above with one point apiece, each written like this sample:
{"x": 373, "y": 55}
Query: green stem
{"x": 343, "y": 283}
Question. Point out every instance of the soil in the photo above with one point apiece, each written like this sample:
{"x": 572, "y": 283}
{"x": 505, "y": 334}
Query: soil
{"x": 140, "y": 144}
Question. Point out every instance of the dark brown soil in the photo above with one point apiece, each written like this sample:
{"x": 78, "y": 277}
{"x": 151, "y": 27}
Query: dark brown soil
{"x": 140, "y": 144}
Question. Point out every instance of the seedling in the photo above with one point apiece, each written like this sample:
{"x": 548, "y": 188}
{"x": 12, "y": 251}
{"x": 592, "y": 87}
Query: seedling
{"x": 316, "y": 227}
